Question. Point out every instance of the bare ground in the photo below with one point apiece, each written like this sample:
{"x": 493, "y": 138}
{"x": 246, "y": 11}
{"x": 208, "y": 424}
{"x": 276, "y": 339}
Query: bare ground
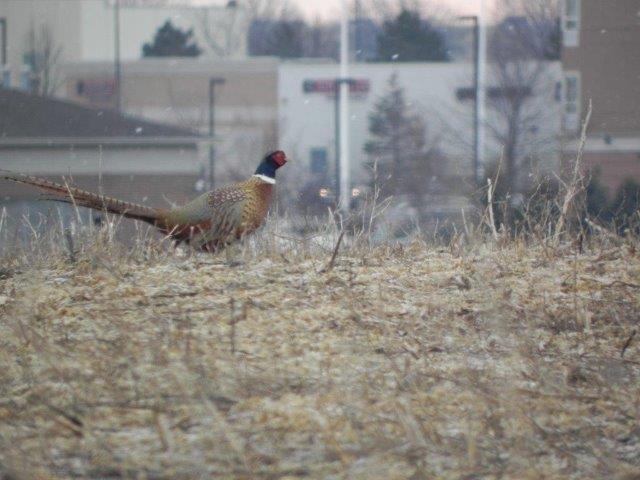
{"x": 508, "y": 361}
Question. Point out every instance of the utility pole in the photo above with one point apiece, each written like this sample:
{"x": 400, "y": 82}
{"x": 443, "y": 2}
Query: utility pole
{"x": 345, "y": 164}
{"x": 476, "y": 96}
{"x": 212, "y": 149}
{"x": 118, "y": 73}
{"x": 481, "y": 93}
{"x": 336, "y": 137}
{"x": 337, "y": 83}
{"x": 479, "y": 75}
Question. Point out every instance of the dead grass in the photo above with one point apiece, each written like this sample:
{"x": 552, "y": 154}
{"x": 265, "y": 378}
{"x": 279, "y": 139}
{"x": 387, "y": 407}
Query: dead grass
{"x": 477, "y": 359}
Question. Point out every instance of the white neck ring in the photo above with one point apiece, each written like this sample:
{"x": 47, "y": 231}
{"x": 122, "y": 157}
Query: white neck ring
{"x": 265, "y": 179}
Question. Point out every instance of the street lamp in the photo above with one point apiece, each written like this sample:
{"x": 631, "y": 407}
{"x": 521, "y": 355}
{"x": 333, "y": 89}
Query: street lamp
{"x": 480, "y": 57}
{"x": 343, "y": 102}
{"x": 116, "y": 48}
{"x": 212, "y": 149}
{"x": 337, "y": 135}
{"x": 476, "y": 97}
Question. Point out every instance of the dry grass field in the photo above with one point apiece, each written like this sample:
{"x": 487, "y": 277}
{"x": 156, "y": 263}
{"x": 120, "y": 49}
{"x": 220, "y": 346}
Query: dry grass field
{"x": 484, "y": 359}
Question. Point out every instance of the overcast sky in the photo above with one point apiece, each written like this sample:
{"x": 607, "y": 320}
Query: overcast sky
{"x": 331, "y": 8}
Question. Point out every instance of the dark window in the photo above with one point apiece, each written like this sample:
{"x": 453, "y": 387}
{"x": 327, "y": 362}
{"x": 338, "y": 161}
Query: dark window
{"x": 3, "y": 41}
{"x": 318, "y": 160}
{"x": 494, "y": 93}
{"x": 465, "y": 94}
{"x": 80, "y": 87}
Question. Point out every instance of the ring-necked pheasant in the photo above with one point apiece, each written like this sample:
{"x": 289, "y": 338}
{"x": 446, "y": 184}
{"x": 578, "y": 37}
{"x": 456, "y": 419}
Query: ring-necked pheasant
{"x": 210, "y": 221}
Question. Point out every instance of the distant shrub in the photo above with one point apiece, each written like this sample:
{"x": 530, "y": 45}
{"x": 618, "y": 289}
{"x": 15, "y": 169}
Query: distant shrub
{"x": 539, "y": 206}
{"x": 625, "y": 207}
{"x": 531, "y": 209}
{"x": 597, "y": 203}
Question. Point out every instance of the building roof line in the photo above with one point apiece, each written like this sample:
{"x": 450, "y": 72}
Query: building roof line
{"x": 95, "y": 141}
{"x": 25, "y": 115}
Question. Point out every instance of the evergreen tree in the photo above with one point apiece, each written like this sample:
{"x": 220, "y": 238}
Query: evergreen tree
{"x": 170, "y": 41}
{"x": 398, "y": 146}
{"x": 625, "y": 207}
{"x": 410, "y": 39}
{"x": 596, "y": 202}
{"x": 282, "y": 38}
{"x": 553, "y": 42}
{"x": 285, "y": 40}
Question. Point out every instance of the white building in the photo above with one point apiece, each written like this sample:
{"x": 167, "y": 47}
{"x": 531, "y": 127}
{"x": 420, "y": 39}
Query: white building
{"x": 439, "y": 91}
{"x": 176, "y": 91}
{"x": 19, "y": 18}
{"x": 220, "y": 31}
{"x": 85, "y": 30}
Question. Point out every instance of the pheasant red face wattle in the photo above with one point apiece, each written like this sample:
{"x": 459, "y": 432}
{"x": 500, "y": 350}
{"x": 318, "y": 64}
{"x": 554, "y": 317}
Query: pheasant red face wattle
{"x": 279, "y": 158}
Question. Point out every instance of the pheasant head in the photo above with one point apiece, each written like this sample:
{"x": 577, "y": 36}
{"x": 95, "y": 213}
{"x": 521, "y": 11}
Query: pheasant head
{"x": 266, "y": 171}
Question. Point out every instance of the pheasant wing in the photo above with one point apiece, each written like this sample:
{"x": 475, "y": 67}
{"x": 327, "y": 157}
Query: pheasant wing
{"x": 211, "y": 220}
{"x": 227, "y": 206}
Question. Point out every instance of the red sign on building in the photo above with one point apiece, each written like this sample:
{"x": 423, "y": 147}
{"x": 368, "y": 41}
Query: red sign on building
{"x": 358, "y": 85}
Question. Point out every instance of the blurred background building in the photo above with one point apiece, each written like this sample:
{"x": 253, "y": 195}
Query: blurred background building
{"x": 96, "y": 149}
{"x": 31, "y": 28}
{"x": 130, "y": 157}
{"x": 153, "y": 61}
{"x": 175, "y": 91}
{"x": 442, "y": 93}
{"x": 602, "y": 65}
{"x": 78, "y": 31}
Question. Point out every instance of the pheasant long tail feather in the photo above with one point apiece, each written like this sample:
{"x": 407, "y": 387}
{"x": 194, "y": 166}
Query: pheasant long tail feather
{"x": 83, "y": 198}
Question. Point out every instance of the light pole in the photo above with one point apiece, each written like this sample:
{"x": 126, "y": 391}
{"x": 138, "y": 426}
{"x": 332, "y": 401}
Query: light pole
{"x": 479, "y": 80}
{"x": 337, "y": 84}
{"x": 212, "y": 149}
{"x": 482, "y": 74}
{"x": 343, "y": 102}
{"x": 116, "y": 38}
{"x": 476, "y": 96}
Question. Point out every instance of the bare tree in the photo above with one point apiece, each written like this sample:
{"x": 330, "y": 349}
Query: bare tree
{"x": 223, "y": 30}
{"x": 381, "y": 10}
{"x": 519, "y": 50}
{"x": 43, "y": 56}
{"x": 543, "y": 18}
{"x": 515, "y": 109}
{"x": 271, "y": 9}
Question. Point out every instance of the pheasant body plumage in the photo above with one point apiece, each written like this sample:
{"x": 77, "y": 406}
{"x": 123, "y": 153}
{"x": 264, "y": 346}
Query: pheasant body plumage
{"x": 210, "y": 221}
{"x": 221, "y": 216}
